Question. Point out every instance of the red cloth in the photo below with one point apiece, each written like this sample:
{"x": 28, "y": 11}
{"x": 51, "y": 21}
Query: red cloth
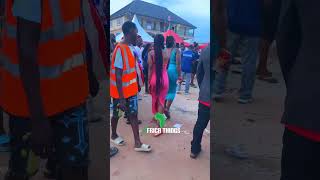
{"x": 176, "y": 37}
{"x": 205, "y": 103}
{"x": 313, "y": 136}
{"x": 102, "y": 36}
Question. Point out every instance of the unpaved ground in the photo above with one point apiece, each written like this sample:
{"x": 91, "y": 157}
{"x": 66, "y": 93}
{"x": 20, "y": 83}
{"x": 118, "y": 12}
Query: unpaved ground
{"x": 256, "y": 126}
{"x": 169, "y": 158}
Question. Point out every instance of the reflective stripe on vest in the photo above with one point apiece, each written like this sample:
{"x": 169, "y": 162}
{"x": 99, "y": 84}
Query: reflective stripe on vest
{"x": 124, "y": 84}
{"x": 45, "y": 36}
{"x": 61, "y": 59}
{"x": 46, "y": 72}
{"x": 129, "y": 76}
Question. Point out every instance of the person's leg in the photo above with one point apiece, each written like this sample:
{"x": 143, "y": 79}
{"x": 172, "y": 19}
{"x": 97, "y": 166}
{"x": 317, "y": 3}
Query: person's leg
{"x": 249, "y": 63}
{"x": 188, "y": 81}
{"x": 180, "y": 83}
{"x": 114, "y": 119}
{"x": 23, "y": 164}
{"x": 71, "y": 137}
{"x": 221, "y": 75}
{"x": 262, "y": 69}
{"x": 298, "y": 157}
{"x": 133, "y": 117}
{"x": 193, "y": 74}
{"x": 201, "y": 124}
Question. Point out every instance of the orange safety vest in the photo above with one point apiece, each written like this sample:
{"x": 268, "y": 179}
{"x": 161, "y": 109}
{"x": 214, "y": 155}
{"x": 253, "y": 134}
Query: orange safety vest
{"x": 61, "y": 59}
{"x": 129, "y": 75}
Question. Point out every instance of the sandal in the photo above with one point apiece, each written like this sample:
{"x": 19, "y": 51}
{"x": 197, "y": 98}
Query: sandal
{"x": 143, "y": 148}
{"x": 118, "y": 141}
{"x": 113, "y": 151}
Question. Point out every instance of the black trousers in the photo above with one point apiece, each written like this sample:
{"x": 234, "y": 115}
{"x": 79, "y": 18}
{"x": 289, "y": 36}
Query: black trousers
{"x": 300, "y": 158}
{"x": 200, "y": 126}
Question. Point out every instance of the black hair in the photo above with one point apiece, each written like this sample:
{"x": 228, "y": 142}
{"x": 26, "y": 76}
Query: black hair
{"x": 177, "y": 45}
{"x": 170, "y": 41}
{"x": 146, "y": 50}
{"x": 127, "y": 27}
{"x": 158, "y": 47}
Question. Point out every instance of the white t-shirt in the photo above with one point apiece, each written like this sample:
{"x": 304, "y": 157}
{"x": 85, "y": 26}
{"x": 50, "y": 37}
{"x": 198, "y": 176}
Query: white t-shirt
{"x": 139, "y": 51}
{"x": 118, "y": 62}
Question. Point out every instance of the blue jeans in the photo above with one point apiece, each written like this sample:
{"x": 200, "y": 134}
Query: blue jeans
{"x": 249, "y": 54}
{"x": 188, "y": 81}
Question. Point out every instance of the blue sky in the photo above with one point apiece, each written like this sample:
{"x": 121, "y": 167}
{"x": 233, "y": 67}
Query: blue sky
{"x": 197, "y": 12}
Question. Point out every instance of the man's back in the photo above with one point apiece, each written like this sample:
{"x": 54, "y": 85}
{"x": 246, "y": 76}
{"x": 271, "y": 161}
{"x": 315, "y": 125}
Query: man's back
{"x": 186, "y": 61}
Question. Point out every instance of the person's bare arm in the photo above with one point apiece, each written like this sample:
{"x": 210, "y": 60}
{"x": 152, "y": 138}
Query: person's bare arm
{"x": 28, "y": 36}
{"x": 220, "y": 21}
{"x": 28, "y": 40}
{"x": 119, "y": 73}
{"x": 178, "y": 62}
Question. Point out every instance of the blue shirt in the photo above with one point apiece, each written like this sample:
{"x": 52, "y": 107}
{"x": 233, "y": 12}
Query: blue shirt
{"x": 245, "y": 17}
{"x": 187, "y": 60}
{"x": 28, "y": 9}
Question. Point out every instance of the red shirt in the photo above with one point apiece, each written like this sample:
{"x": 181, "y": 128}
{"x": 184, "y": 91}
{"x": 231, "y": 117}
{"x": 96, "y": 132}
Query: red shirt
{"x": 313, "y": 136}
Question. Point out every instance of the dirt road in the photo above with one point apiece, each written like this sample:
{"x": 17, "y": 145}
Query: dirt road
{"x": 256, "y": 126}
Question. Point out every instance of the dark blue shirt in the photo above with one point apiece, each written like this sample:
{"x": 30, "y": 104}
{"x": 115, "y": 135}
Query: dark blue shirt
{"x": 187, "y": 60}
{"x": 245, "y": 17}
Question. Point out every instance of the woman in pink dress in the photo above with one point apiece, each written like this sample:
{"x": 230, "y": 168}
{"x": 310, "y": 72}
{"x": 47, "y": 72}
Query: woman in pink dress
{"x": 158, "y": 76}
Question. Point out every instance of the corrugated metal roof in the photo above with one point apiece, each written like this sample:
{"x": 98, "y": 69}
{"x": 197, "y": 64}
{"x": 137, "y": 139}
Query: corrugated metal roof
{"x": 143, "y": 8}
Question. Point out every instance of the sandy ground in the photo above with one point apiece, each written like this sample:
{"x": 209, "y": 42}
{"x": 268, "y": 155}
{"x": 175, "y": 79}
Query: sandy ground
{"x": 169, "y": 158}
{"x": 255, "y": 126}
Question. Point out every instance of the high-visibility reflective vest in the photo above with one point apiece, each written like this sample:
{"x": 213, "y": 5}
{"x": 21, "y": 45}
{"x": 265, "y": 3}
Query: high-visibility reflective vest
{"x": 61, "y": 59}
{"x": 129, "y": 75}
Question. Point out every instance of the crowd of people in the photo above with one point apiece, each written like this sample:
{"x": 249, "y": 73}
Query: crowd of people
{"x": 162, "y": 66}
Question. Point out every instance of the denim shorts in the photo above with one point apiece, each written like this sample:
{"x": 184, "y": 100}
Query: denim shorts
{"x": 131, "y": 104}
{"x": 70, "y": 147}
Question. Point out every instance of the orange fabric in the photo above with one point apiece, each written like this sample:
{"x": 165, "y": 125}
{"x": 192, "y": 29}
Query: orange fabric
{"x": 70, "y": 88}
{"x": 132, "y": 89}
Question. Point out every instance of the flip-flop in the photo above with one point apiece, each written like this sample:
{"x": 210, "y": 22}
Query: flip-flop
{"x": 237, "y": 152}
{"x": 118, "y": 141}
{"x": 143, "y": 148}
{"x": 113, "y": 151}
